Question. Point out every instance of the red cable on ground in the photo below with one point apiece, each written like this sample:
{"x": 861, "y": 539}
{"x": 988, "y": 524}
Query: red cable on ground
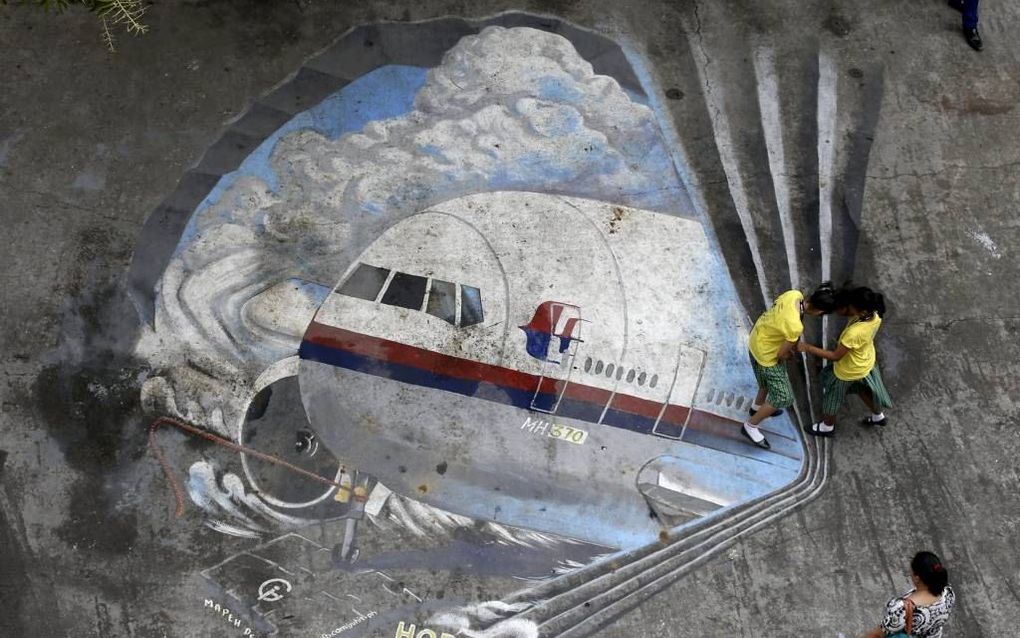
{"x": 219, "y": 440}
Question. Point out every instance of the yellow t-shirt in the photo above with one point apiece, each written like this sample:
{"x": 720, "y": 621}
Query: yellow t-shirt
{"x": 859, "y": 338}
{"x": 778, "y": 324}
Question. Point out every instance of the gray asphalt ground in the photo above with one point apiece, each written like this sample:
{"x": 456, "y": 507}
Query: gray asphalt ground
{"x": 91, "y": 143}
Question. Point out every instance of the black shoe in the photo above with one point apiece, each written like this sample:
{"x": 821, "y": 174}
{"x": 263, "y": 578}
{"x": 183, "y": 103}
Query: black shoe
{"x": 764, "y": 444}
{"x": 956, "y": 4}
{"x": 751, "y": 411}
{"x": 870, "y": 421}
{"x": 973, "y": 38}
{"x": 812, "y": 429}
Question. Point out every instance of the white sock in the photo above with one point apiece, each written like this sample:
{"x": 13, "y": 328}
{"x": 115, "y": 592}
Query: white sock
{"x": 822, "y": 427}
{"x": 877, "y": 416}
{"x": 753, "y": 432}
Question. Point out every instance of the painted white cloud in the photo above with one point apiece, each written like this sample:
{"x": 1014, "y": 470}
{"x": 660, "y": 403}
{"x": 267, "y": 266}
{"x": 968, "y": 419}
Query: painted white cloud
{"x": 508, "y": 109}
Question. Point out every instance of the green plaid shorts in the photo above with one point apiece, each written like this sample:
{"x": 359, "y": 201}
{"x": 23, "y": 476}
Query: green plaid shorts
{"x": 834, "y": 389}
{"x": 776, "y": 381}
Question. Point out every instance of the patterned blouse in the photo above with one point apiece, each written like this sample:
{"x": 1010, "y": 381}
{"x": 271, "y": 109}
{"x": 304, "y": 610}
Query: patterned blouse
{"x": 928, "y": 620}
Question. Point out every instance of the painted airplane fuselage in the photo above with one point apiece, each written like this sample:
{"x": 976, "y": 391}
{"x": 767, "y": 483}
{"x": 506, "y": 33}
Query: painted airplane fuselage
{"x": 521, "y": 357}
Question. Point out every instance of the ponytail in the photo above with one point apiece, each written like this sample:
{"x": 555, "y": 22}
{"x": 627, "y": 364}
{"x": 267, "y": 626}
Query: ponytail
{"x": 865, "y": 299}
{"x": 874, "y": 302}
{"x": 929, "y": 568}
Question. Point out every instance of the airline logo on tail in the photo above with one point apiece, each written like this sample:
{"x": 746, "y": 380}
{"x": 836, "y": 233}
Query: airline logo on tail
{"x": 552, "y": 319}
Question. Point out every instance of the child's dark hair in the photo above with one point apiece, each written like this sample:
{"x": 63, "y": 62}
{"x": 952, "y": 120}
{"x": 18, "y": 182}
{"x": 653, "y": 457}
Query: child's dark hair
{"x": 824, "y": 298}
{"x": 863, "y": 298}
{"x": 931, "y": 571}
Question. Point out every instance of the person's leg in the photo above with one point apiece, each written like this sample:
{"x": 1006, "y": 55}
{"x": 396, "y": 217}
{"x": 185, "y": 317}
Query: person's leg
{"x": 760, "y": 398}
{"x": 877, "y": 417}
{"x": 833, "y": 394}
{"x": 765, "y": 411}
{"x": 779, "y": 394}
{"x": 825, "y": 427}
{"x": 970, "y": 23}
{"x": 873, "y": 394}
{"x": 970, "y": 14}
{"x": 750, "y": 426}
{"x": 868, "y": 400}
{"x": 761, "y": 408}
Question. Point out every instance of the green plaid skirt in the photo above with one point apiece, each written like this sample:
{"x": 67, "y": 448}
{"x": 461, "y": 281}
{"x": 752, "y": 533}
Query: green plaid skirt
{"x": 776, "y": 380}
{"x": 834, "y": 389}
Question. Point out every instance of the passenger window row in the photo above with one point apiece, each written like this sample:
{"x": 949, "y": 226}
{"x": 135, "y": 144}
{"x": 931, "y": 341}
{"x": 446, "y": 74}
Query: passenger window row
{"x": 729, "y": 398}
{"x": 596, "y": 366}
{"x": 436, "y": 297}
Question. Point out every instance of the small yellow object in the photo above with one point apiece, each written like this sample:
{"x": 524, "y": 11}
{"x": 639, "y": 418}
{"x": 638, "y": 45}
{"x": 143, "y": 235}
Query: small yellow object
{"x": 360, "y": 493}
{"x": 343, "y": 493}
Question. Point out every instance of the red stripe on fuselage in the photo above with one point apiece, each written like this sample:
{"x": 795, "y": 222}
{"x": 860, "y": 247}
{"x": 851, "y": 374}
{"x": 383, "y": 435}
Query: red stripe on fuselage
{"x": 429, "y": 360}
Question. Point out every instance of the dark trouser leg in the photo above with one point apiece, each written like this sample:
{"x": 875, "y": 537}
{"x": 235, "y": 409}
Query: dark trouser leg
{"x": 970, "y": 14}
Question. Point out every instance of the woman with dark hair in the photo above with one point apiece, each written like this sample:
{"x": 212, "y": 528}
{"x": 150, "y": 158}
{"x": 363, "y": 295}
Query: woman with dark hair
{"x": 923, "y": 610}
{"x": 773, "y": 340}
{"x": 854, "y": 369}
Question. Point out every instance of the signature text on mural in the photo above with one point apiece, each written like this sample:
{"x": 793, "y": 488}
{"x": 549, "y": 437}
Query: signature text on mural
{"x": 354, "y": 623}
{"x": 228, "y": 615}
{"x": 409, "y": 630}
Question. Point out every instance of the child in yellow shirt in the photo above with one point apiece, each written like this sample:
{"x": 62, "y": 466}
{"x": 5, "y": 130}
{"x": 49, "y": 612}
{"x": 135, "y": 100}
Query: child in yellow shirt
{"x": 772, "y": 341}
{"x": 854, "y": 369}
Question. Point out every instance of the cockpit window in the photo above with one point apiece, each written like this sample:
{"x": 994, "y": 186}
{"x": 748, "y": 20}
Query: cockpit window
{"x": 405, "y": 291}
{"x": 443, "y": 301}
{"x": 365, "y": 282}
{"x": 408, "y": 291}
{"x": 470, "y": 306}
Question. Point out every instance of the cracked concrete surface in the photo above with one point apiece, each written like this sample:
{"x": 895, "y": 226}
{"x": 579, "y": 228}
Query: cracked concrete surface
{"x": 86, "y": 543}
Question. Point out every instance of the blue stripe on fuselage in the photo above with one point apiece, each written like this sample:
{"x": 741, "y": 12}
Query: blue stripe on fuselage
{"x": 568, "y": 408}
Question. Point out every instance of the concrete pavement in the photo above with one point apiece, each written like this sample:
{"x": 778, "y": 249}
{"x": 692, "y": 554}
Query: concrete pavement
{"x": 923, "y": 207}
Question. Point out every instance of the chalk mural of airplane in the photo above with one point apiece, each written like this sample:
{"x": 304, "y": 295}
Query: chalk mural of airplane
{"x": 541, "y": 361}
